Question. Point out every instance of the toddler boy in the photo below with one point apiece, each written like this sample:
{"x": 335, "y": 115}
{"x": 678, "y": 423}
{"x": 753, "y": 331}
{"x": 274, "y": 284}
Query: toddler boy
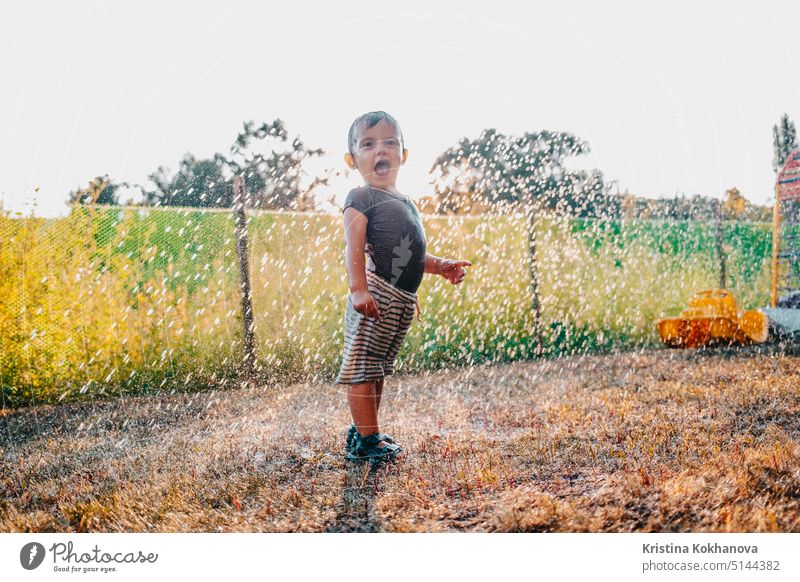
{"x": 385, "y": 224}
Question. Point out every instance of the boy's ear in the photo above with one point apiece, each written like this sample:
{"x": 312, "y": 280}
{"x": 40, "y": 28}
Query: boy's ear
{"x": 405, "y": 155}
{"x": 348, "y": 159}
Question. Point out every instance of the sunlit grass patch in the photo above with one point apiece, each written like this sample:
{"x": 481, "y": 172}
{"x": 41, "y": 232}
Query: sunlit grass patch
{"x": 650, "y": 441}
{"x": 112, "y": 301}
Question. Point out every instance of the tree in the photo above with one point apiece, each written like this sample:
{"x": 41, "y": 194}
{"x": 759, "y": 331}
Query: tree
{"x": 784, "y": 141}
{"x": 734, "y": 205}
{"x": 197, "y": 183}
{"x": 274, "y": 179}
{"x": 502, "y": 170}
{"x": 696, "y": 208}
{"x": 101, "y": 190}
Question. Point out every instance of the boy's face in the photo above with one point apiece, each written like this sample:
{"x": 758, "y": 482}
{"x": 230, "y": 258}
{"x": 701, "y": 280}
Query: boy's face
{"x": 377, "y": 154}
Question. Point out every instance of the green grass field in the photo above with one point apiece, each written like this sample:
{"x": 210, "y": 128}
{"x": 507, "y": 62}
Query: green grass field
{"x": 110, "y": 301}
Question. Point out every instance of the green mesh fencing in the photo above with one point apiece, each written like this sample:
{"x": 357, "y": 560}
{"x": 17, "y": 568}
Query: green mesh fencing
{"x": 111, "y": 300}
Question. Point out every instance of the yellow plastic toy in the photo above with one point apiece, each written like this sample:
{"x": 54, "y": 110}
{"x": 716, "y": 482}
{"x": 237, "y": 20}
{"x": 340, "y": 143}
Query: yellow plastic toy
{"x": 712, "y": 317}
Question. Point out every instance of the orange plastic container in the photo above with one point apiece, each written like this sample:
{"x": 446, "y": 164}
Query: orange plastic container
{"x": 713, "y": 317}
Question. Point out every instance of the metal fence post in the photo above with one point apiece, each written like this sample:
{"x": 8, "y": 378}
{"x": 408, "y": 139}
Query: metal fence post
{"x": 723, "y": 278}
{"x": 776, "y": 244}
{"x": 534, "y": 272}
{"x": 239, "y": 200}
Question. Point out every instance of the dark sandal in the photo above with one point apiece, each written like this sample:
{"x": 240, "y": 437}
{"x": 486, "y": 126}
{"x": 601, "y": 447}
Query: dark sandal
{"x": 352, "y": 432}
{"x": 366, "y": 449}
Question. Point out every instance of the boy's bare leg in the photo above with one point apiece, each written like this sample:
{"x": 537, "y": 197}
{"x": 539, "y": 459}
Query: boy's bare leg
{"x": 378, "y": 392}
{"x": 362, "y": 399}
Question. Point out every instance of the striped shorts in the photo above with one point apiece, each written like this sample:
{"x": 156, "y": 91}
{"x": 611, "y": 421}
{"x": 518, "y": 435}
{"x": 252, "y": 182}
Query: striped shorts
{"x": 371, "y": 347}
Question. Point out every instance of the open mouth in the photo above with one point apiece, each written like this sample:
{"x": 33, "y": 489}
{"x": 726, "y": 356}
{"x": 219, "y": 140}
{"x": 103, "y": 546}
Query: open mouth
{"x": 383, "y": 167}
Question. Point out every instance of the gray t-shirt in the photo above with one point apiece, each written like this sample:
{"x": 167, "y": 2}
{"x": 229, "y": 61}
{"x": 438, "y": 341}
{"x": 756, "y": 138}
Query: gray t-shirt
{"x": 395, "y": 238}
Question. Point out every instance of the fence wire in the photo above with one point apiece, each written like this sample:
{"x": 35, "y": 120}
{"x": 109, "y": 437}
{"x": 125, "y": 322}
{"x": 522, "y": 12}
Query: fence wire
{"x": 111, "y": 300}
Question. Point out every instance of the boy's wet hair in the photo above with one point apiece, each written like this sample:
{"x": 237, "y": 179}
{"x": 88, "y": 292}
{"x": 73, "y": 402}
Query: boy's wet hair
{"x": 371, "y": 119}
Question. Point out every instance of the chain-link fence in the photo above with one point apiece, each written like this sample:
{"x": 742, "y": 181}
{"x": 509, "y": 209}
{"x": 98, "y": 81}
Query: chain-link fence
{"x": 110, "y": 299}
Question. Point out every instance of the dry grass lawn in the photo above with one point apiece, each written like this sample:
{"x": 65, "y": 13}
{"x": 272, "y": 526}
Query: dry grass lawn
{"x": 653, "y": 441}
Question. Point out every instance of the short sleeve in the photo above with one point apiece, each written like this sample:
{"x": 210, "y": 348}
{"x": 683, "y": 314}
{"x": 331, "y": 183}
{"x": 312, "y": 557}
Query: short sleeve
{"x": 361, "y": 200}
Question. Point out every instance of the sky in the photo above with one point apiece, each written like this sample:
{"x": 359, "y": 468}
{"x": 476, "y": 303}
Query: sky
{"x": 673, "y": 98}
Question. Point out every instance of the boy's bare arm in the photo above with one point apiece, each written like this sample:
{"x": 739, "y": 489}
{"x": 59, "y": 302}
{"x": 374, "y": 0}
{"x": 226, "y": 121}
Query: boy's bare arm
{"x": 355, "y": 236}
{"x": 433, "y": 265}
{"x": 451, "y": 269}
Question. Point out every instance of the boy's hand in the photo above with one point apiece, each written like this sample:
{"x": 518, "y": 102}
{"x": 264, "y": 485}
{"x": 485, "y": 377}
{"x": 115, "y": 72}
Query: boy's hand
{"x": 365, "y": 304}
{"x": 453, "y": 270}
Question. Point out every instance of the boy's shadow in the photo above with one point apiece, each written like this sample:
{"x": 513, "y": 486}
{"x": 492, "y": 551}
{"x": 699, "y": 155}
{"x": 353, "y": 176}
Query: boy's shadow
{"x": 357, "y": 506}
